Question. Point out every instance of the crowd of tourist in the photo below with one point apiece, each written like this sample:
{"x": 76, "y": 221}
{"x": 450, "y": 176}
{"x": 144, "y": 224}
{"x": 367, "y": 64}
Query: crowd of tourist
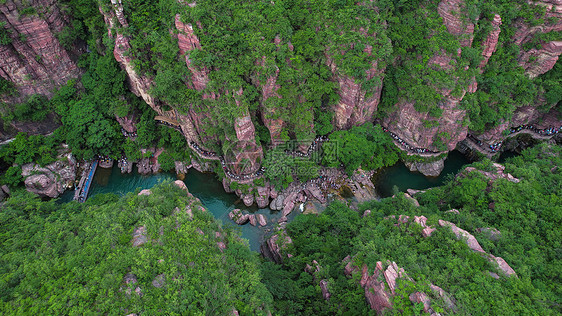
{"x": 546, "y": 131}
{"x": 203, "y": 152}
{"x": 312, "y": 148}
{"x": 103, "y": 159}
{"x": 415, "y": 150}
{"x": 85, "y": 188}
{"x": 127, "y": 134}
{"x": 170, "y": 125}
{"x": 123, "y": 163}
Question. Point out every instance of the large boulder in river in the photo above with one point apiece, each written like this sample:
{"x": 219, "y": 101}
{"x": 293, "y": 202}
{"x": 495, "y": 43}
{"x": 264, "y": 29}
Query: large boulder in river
{"x": 261, "y": 219}
{"x": 238, "y": 217}
{"x": 51, "y": 180}
{"x": 277, "y": 203}
{"x": 248, "y": 199}
{"x": 252, "y": 219}
{"x": 429, "y": 169}
{"x": 262, "y": 196}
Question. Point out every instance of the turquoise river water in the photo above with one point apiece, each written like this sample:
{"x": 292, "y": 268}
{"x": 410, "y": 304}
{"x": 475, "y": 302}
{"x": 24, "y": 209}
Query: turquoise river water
{"x": 204, "y": 186}
{"x": 209, "y": 190}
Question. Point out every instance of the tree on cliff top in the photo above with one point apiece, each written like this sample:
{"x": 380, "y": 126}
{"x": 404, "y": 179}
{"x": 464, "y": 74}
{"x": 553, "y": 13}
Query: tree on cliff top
{"x": 365, "y": 146}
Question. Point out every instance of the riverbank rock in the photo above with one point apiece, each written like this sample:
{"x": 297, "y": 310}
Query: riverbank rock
{"x": 106, "y": 163}
{"x": 145, "y": 192}
{"x": 277, "y": 203}
{"x": 148, "y": 165}
{"x": 429, "y": 169}
{"x": 51, "y": 180}
{"x": 182, "y": 167}
{"x": 248, "y": 199}
{"x": 180, "y": 184}
{"x": 411, "y": 199}
{"x": 125, "y": 166}
{"x": 413, "y": 192}
{"x": 237, "y": 216}
{"x": 226, "y": 185}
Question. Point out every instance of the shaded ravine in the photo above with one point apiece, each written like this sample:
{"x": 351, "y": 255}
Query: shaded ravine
{"x": 400, "y": 176}
{"x": 210, "y": 191}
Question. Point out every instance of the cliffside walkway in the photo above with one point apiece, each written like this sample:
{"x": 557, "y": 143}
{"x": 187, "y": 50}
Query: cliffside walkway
{"x": 411, "y": 150}
{"x": 535, "y": 133}
{"x": 242, "y": 178}
{"x": 542, "y": 134}
{"x": 85, "y": 189}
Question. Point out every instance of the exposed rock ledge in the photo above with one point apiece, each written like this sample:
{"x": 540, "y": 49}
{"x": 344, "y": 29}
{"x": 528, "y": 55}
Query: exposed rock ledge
{"x": 381, "y": 285}
{"x": 430, "y": 169}
{"x": 51, "y": 180}
{"x": 468, "y": 238}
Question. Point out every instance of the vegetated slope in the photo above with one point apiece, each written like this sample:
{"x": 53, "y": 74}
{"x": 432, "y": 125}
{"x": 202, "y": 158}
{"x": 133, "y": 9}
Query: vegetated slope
{"x": 518, "y": 222}
{"x": 256, "y": 73}
{"x": 161, "y": 253}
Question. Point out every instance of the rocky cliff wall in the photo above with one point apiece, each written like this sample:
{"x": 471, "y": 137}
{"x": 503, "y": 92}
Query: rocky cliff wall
{"x": 356, "y": 106}
{"x": 410, "y": 124}
{"x": 539, "y": 60}
{"x": 35, "y": 60}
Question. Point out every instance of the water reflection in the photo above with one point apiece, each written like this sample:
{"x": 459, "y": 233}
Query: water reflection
{"x": 400, "y": 176}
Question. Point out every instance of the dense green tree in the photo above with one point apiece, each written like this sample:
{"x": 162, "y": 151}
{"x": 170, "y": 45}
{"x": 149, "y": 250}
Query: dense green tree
{"x": 75, "y": 258}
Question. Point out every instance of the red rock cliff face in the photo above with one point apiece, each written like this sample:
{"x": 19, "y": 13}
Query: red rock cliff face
{"x": 193, "y": 123}
{"x": 355, "y": 107}
{"x": 140, "y": 85}
{"x": 537, "y": 61}
{"x": 408, "y": 123}
{"x": 269, "y": 94}
{"x": 35, "y": 60}
{"x": 491, "y": 41}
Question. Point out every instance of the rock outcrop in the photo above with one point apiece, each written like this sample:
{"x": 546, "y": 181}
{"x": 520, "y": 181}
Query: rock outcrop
{"x": 430, "y": 169}
{"x": 51, "y": 180}
{"x": 411, "y": 125}
{"x": 494, "y": 175}
{"x": 276, "y": 246}
{"x": 381, "y": 285}
{"x": 541, "y": 59}
{"x": 139, "y": 237}
{"x": 473, "y": 244}
{"x": 35, "y": 61}
{"x": 238, "y": 217}
{"x": 461, "y": 234}
{"x": 491, "y": 41}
